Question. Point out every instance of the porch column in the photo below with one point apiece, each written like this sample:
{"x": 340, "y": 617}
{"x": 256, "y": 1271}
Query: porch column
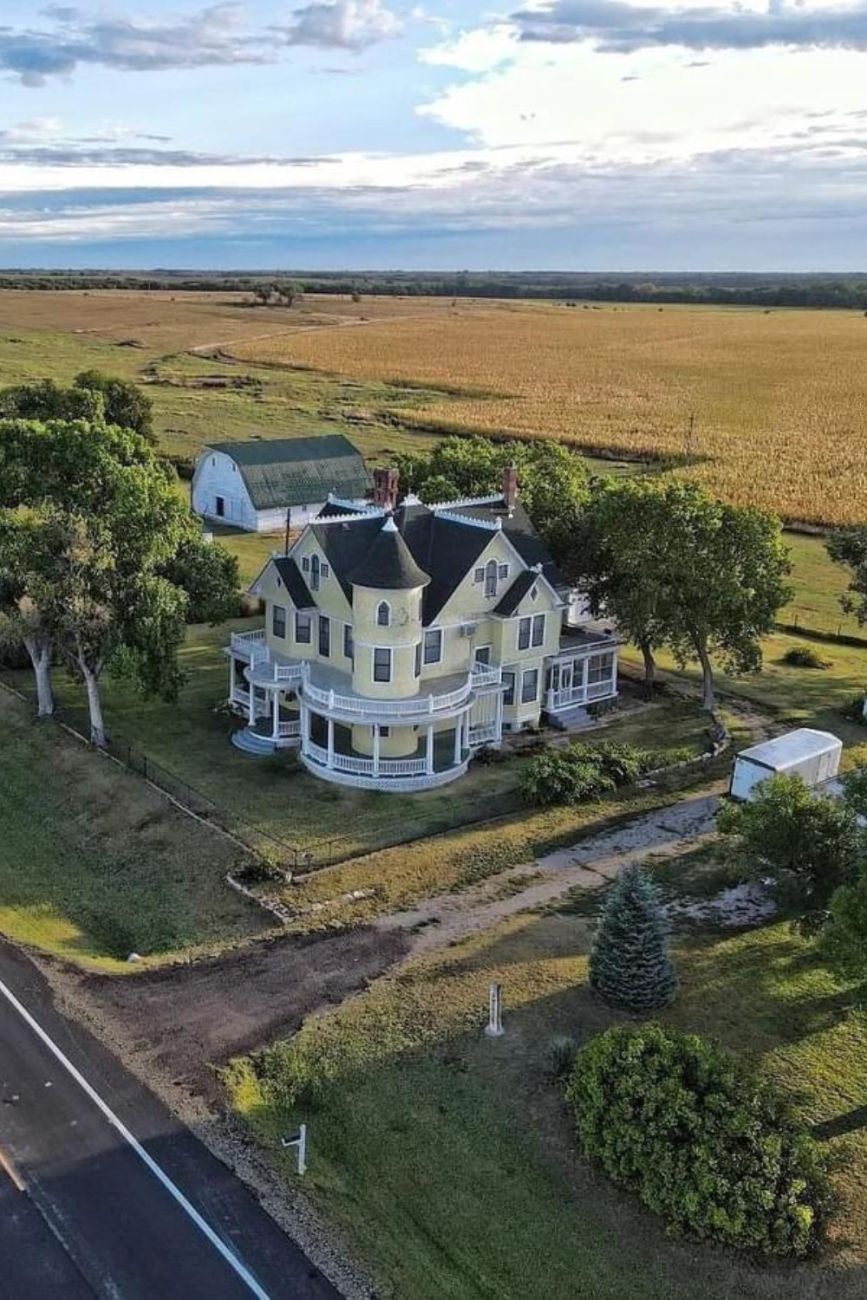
{"x": 275, "y": 718}
{"x": 305, "y": 725}
{"x": 585, "y": 673}
{"x": 376, "y": 739}
{"x": 498, "y": 721}
{"x": 252, "y": 706}
{"x": 458, "y": 724}
{"x": 429, "y": 752}
{"x": 330, "y": 742}
{"x": 231, "y": 679}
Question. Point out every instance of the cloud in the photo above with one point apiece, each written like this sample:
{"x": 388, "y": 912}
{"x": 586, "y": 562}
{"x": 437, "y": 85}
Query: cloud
{"x": 214, "y": 36}
{"x": 341, "y": 25}
{"x": 615, "y": 26}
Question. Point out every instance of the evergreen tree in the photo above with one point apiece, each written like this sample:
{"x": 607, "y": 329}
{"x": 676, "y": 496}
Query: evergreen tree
{"x": 630, "y": 966}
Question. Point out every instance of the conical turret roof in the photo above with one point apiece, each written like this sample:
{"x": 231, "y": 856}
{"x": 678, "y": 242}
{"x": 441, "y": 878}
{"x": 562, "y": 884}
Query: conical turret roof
{"x": 388, "y": 564}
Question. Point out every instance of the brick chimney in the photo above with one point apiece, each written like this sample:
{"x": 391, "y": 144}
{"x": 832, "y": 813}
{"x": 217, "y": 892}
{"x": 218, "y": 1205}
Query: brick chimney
{"x": 385, "y": 486}
{"x": 510, "y": 487}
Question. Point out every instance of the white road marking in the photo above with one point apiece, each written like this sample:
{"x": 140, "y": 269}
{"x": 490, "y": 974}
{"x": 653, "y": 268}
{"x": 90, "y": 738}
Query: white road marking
{"x": 204, "y": 1227}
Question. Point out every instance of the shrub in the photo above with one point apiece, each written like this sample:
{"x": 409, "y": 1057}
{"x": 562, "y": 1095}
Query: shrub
{"x": 713, "y": 1148}
{"x": 293, "y": 1074}
{"x": 629, "y": 964}
{"x": 561, "y": 1055}
{"x": 804, "y": 656}
{"x": 584, "y": 771}
{"x": 808, "y": 843}
{"x": 563, "y": 776}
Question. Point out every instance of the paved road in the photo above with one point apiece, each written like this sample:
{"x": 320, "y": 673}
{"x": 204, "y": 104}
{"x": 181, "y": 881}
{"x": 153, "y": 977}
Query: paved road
{"x": 102, "y": 1192}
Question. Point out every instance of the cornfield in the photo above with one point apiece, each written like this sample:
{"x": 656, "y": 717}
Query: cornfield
{"x": 765, "y": 408}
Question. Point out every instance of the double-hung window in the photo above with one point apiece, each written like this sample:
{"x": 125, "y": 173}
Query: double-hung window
{"x": 303, "y": 623}
{"x": 509, "y": 692}
{"x": 531, "y": 631}
{"x": 417, "y": 663}
{"x": 324, "y": 636}
{"x": 278, "y": 620}
{"x": 530, "y": 686}
{"x": 348, "y": 644}
{"x": 381, "y": 664}
{"x": 433, "y": 645}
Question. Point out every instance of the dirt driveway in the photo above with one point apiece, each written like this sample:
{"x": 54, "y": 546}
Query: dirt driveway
{"x": 180, "y": 1021}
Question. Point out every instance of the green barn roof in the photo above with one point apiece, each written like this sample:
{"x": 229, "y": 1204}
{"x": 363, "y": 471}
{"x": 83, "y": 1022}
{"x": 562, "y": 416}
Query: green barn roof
{"x": 297, "y": 471}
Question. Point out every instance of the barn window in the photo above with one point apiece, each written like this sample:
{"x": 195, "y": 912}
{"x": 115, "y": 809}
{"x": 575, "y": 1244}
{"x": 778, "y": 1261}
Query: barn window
{"x": 383, "y": 614}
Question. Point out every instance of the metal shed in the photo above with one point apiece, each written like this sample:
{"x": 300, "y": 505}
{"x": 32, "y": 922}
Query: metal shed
{"x": 814, "y": 756}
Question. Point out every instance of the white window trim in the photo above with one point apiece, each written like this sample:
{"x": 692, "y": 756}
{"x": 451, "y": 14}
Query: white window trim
{"x": 528, "y": 672}
{"x": 429, "y": 663}
{"x": 383, "y": 649}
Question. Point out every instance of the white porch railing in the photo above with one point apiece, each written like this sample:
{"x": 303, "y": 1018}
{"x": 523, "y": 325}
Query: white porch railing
{"x": 365, "y": 706}
{"x": 243, "y": 642}
{"x": 565, "y": 699}
{"x": 289, "y": 729}
{"x": 359, "y": 766}
{"x": 483, "y": 733}
{"x": 264, "y": 666}
{"x": 487, "y": 674}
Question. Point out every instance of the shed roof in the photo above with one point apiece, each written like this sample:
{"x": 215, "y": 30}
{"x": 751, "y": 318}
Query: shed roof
{"x": 784, "y": 752}
{"x": 297, "y": 471}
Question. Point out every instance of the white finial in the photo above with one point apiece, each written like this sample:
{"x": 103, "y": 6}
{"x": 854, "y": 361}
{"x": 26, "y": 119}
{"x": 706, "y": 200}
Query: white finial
{"x": 389, "y": 526}
{"x": 498, "y": 523}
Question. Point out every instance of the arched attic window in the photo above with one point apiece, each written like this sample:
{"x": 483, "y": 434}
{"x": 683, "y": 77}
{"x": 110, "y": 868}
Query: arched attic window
{"x": 383, "y": 614}
{"x": 491, "y": 578}
{"x": 314, "y": 573}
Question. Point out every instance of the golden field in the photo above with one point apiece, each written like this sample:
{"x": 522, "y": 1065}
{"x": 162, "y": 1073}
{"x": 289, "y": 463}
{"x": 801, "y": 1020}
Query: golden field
{"x": 779, "y": 398}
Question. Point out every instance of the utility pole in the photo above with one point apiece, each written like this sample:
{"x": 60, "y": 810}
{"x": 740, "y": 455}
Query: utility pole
{"x": 288, "y": 524}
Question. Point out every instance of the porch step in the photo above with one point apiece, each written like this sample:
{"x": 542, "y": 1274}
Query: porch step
{"x": 575, "y": 719}
{"x": 252, "y": 742}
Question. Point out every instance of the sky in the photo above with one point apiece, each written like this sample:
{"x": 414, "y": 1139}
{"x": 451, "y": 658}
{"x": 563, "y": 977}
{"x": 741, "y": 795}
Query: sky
{"x": 600, "y": 135}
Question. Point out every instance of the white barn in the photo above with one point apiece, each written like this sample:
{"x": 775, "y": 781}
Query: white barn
{"x": 252, "y": 484}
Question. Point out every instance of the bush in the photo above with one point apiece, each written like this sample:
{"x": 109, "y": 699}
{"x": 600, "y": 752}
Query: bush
{"x": 807, "y": 843}
{"x": 561, "y": 1055}
{"x": 585, "y": 771}
{"x": 804, "y": 656}
{"x": 563, "y": 776}
{"x": 713, "y": 1148}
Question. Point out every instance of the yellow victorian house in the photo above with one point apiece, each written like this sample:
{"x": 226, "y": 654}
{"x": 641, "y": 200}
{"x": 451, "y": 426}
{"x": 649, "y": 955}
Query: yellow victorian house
{"x": 399, "y": 639}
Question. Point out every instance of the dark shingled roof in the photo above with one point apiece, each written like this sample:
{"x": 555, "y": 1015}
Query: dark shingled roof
{"x": 516, "y": 593}
{"x": 294, "y": 582}
{"x": 436, "y": 545}
{"x": 297, "y": 471}
{"x": 389, "y": 563}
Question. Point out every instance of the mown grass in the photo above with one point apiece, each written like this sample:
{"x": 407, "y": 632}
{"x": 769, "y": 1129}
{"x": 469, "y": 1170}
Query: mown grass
{"x": 275, "y": 797}
{"x": 94, "y": 864}
{"x": 450, "y": 1160}
{"x": 802, "y": 696}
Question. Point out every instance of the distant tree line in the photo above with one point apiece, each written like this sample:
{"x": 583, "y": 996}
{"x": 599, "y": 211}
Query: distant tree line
{"x": 571, "y": 288}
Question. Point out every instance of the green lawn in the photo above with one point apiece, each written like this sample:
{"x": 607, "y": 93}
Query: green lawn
{"x": 94, "y": 864}
{"x": 450, "y": 1160}
{"x": 802, "y": 696}
{"x": 819, "y": 584}
{"x": 276, "y": 797}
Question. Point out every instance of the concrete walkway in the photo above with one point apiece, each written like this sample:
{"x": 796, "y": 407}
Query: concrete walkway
{"x": 666, "y": 832}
